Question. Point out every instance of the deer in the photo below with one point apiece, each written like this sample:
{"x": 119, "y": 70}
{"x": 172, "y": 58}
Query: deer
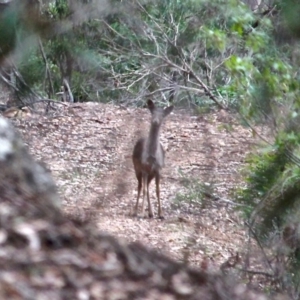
{"x": 148, "y": 159}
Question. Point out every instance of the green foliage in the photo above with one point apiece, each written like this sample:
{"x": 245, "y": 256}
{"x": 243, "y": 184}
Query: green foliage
{"x": 8, "y": 31}
{"x": 263, "y": 172}
{"x": 215, "y": 39}
{"x": 58, "y": 9}
{"x": 139, "y": 46}
{"x": 273, "y": 185}
{"x": 32, "y": 69}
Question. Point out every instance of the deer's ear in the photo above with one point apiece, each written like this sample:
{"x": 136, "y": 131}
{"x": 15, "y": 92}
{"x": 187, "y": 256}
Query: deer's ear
{"x": 150, "y": 104}
{"x": 168, "y": 110}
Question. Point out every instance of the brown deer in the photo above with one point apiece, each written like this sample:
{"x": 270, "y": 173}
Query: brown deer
{"x": 148, "y": 158}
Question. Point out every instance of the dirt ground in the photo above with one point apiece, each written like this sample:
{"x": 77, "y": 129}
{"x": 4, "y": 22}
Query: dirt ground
{"x": 88, "y": 149}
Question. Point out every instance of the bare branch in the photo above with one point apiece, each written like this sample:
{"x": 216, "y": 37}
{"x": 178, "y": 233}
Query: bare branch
{"x": 47, "y": 71}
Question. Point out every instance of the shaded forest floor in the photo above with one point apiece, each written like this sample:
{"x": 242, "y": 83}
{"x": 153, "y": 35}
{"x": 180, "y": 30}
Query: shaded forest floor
{"x": 88, "y": 149}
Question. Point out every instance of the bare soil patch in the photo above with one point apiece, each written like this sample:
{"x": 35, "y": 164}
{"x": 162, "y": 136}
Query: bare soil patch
{"x": 88, "y": 149}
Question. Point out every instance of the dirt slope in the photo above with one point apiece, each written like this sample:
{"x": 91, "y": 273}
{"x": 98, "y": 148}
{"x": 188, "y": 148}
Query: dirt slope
{"x": 88, "y": 149}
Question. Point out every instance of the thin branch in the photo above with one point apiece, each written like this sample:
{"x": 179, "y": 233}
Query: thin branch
{"x": 204, "y": 86}
{"x": 259, "y": 244}
{"x": 253, "y": 129}
{"x": 255, "y": 272}
{"x": 48, "y": 73}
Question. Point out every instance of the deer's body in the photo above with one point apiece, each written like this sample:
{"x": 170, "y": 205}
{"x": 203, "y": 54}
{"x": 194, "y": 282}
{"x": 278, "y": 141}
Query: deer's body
{"x": 148, "y": 158}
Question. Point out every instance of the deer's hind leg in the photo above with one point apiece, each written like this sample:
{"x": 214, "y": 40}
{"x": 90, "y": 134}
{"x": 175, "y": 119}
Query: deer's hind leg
{"x": 145, "y": 190}
{"x": 139, "y": 178}
{"x": 157, "y": 183}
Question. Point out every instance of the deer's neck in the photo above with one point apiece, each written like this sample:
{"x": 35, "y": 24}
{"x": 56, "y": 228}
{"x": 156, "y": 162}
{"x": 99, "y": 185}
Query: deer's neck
{"x": 153, "y": 140}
